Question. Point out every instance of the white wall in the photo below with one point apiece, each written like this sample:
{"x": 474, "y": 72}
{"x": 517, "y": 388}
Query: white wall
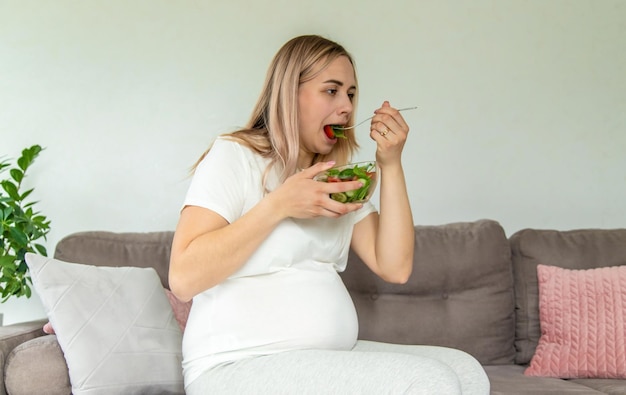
{"x": 522, "y": 102}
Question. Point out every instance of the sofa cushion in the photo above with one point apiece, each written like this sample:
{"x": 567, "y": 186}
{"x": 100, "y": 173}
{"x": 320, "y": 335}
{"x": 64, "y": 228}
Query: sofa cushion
{"x": 510, "y": 380}
{"x": 460, "y": 294}
{"x": 573, "y": 249}
{"x": 101, "y": 248}
{"x": 604, "y": 386}
{"x": 582, "y": 315}
{"x": 12, "y": 336}
{"x": 39, "y": 358}
{"x": 114, "y": 324}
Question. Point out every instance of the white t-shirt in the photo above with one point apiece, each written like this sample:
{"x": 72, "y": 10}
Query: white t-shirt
{"x": 288, "y": 295}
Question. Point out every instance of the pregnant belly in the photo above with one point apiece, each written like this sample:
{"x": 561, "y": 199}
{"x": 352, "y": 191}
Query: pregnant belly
{"x": 291, "y": 309}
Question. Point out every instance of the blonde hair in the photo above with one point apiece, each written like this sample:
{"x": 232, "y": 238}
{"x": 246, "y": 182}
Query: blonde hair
{"x": 272, "y": 130}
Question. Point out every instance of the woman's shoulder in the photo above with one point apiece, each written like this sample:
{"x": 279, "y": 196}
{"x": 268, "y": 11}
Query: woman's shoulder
{"x": 222, "y": 152}
{"x": 225, "y": 141}
{"x": 230, "y": 151}
{"x": 225, "y": 146}
{"x": 232, "y": 143}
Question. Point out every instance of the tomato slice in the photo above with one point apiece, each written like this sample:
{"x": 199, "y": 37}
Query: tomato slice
{"x": 329, "y": 131}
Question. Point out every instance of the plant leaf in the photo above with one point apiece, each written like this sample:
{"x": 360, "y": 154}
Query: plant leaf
{"x": 19, "y": 237}
{"x": 41, "y": 249}
{"x": 25, "y": 194}
{"x": 11, "y": 189}
{"x": 4, "y": 164}
{"x": 28, "y": 156}
{"x": 6, "y": 261}
{"x": 17, "y": 175}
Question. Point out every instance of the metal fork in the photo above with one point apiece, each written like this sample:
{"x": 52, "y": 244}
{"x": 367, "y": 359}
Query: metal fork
{"x": 365, "y": 120}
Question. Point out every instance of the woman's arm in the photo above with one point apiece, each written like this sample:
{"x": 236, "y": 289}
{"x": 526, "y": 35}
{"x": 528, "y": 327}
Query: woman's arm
{"x": 207, "y": 249}
{"x": 385, "y": 242}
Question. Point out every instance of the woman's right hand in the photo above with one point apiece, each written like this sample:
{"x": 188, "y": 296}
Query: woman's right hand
{"x": 207, "y": 249}
{"x": 302, "y": 197}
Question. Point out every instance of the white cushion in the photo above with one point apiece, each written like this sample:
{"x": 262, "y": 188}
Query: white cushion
{"x": 115, "y": 326}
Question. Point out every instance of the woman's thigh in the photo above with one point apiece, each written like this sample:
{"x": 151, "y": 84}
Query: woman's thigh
{"x": 471, "y": 374}
{"x": 330, "y": 372}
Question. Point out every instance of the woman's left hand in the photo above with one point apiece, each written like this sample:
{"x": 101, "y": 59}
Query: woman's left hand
{"x": 385, "y": 241}
{"x": 390, "y": 131}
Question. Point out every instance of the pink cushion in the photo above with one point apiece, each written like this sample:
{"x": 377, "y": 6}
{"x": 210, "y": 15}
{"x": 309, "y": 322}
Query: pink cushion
{"x": 181, "y": 312}
{"x": 583, "y": 323}
{"x": 48, "y": 329}
{"x": 181, "y": 309}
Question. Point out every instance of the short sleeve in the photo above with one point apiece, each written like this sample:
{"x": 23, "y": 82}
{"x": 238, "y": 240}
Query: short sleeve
{"x": 217, "y": 182}
{"x": 363, "y": 212}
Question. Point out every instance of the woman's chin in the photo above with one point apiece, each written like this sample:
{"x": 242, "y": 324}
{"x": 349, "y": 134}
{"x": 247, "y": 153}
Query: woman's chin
{"x": 328, "y": 147}
{"x": 330, "y": 142}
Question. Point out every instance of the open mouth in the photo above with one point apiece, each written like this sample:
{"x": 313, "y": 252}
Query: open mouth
{"x": 334, "y": 131}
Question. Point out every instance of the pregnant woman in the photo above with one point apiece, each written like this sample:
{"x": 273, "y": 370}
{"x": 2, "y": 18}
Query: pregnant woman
{"x": 259, "y": 245}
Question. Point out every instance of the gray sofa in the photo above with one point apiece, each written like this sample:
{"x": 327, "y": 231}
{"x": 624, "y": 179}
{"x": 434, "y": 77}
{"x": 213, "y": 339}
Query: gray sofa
{"x": 472, "y": 288}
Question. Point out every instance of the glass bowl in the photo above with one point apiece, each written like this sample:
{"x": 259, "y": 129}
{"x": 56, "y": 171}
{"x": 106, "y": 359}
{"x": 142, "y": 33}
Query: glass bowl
{"x": 366, "y": 172}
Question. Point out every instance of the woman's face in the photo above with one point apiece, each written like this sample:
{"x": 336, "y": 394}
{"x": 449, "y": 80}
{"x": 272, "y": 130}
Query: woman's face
{"x": 324, "y": 100}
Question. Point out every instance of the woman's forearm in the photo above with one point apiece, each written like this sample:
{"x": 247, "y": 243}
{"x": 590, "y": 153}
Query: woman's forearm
{"x": 395, "y": 235}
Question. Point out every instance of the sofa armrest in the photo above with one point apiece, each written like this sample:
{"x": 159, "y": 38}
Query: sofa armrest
{"x": 12, "y": 336}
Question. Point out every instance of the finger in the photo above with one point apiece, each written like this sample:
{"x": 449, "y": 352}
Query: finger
{"x": 379, "y": 134}
{"x": 317, "y": 168}
{"x": 337, "y": 209}
{"x": 385, "y": 128}
{"x": 334, "y": 187}
{"x": 390, "y": 126}
{"x": 388, "y": 114}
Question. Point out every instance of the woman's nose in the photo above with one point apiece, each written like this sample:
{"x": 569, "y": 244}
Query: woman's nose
{"x": 346, "y": 106}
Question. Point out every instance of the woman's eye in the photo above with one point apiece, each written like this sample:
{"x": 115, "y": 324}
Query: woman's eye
{"x": 351, "y": 96}
{"x": 332, "y": 91}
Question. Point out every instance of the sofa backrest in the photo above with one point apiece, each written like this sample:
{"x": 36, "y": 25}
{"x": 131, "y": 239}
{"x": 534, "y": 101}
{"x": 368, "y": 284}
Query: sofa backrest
{"x": 574, "y": 249}
{"x": 459, "y": 295}
{"x": 101, "y": 248}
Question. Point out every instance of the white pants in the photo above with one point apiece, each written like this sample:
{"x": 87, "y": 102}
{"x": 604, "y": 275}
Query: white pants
{"x": 369, "y": 368}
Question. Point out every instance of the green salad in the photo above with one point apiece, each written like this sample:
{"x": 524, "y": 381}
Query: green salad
{"x": 364, "y": 172}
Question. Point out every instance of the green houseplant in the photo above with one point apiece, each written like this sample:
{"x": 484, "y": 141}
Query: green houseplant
{"x": 20, "y": 226}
